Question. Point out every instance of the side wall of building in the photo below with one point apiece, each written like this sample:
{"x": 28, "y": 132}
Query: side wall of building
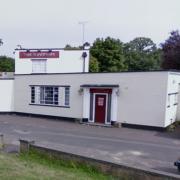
{"x": 173, "y": 98}
{"x": 141, "y": 100}
{"x": 178, "y": 108}
{"x": 6, "y": 95}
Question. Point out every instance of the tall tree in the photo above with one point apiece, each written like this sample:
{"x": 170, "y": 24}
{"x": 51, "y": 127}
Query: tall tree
{"x": 142, "y": 54}
{"x": 7, "y": 64}
{"x": 69, "y": 47}
{"x": 109, "y": 53}
{"x": 171, "y": 51}
{"x": 93, "y": 64}
{"x": 1, "y": 42}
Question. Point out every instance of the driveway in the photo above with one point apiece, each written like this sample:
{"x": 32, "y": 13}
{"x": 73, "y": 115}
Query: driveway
{"x": 139, "y": 148}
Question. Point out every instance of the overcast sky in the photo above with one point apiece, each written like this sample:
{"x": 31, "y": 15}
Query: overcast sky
{"x": 54, "y": 23}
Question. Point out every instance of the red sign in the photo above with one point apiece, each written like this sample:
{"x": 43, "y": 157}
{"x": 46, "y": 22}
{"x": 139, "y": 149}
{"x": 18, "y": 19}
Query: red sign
{"x": 43, "y": 54}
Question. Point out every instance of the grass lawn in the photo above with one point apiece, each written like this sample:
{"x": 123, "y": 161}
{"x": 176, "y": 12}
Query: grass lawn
{"x": 32, "y": 166}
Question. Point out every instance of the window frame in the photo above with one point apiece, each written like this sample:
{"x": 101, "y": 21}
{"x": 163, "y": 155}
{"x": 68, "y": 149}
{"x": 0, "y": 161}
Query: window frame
{"x": 176, "y": 99}
{"x": 173, "y": 96}
{"x": 37, "y": 95}
{"x": 40, "y": 68}
{"x": 33, "y": 94}
{"x": 67, "y": 96}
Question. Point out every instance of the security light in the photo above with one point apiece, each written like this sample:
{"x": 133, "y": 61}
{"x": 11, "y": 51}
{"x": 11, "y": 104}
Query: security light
{"x": 84, "y": 54}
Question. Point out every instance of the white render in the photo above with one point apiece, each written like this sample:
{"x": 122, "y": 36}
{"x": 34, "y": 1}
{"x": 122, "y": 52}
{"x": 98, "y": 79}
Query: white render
{"x": 6, "y": 95}
{"x": 114, "y": 104}
{"x": 141, "y": 98}
{"x": 86, "y": 102}
{"x": 69, "y": 61}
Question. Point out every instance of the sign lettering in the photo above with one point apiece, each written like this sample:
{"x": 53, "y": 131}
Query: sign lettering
{"x": 43, "y": 54}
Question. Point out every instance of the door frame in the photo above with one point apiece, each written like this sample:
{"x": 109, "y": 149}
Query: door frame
{"x": 94, "y": 107}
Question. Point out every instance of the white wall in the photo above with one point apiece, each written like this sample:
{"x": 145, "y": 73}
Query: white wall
{"x": 141, "y": 100}
{"x": 178, "y": 108}
{"x": 69, "y": 61}
{"x": 172, "y": 109}
{"x": 6, "y": 95}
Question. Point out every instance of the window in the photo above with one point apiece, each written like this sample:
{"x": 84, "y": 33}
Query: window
{"x": 168, "y": 102}
{"x": 50, "y": 95}
{"x": 32, "y": 94}
{"x": 172, "y": 99}
{"x": 45, "y": 95}
{"x": 176, "y": 99}
{"x": 39, "y": 66}
{"x": 67, "y": 96}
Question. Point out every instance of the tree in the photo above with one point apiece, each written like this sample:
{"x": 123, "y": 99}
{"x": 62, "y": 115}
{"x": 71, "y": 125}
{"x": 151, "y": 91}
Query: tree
{"x": 69, "y": 47}
{"x": 141, "y": 54}
{"x": 109, "y": 53}
{"x": 1, "y": 42}
{"x": 171, "y": 51}
{"x": 142, "y": 45}
{"x": 7, "y": 64}
{"x": 93, "y": 64}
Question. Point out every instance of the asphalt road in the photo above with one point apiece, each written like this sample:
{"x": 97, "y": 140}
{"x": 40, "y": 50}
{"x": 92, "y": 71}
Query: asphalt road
{"x": 139, "y": 148}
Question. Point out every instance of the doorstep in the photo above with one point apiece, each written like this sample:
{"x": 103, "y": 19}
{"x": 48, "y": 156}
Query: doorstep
{"x": 98, "y": 124}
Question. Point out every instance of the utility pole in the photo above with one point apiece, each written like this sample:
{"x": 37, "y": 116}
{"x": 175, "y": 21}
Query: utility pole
{"x": 83, "y": 24}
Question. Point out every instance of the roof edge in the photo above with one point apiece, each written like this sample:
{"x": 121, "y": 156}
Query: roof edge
{"x": 36, "y": 49}
{"x": 168, "y": 71}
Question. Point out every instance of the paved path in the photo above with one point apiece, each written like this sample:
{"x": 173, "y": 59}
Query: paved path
{"x": 140, "y": 148}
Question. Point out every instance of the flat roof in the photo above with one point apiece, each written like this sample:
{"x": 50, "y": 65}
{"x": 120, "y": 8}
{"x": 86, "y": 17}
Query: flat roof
{"x": 46, "y": 49}
{"x": 170, "y": 71}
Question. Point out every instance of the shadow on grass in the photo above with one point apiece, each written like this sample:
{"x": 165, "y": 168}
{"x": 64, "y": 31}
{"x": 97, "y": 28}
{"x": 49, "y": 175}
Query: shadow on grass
{"x": 52, "y": 162}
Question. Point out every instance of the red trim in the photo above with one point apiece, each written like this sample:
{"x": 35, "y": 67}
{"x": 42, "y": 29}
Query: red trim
{"x": 43, "y": 54}
{"x": 100, "y": 90}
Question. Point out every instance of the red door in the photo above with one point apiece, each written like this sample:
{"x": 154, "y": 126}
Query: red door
{"x": 100, "y": 108}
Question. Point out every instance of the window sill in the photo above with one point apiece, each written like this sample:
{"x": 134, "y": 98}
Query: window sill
{"x": 49, "y": 105}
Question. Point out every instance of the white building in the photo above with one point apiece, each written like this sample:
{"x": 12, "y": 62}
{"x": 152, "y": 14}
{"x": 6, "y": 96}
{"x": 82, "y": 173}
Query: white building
{"x": 57, "y": 60}
{"x": 56, "y": 83}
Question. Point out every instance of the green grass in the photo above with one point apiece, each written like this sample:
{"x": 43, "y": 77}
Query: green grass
{"x": 35, "y": 166}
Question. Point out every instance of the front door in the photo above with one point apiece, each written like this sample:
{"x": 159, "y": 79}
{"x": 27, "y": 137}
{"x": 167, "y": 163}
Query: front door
{"x": 100, "y": 108}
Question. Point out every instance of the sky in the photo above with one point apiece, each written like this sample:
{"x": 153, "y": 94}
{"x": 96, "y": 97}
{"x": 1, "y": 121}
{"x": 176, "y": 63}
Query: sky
{"x": 55, "y": 23}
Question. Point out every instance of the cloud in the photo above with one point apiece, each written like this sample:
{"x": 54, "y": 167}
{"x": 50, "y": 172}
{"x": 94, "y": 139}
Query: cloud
{"x": 39, "y": 23}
